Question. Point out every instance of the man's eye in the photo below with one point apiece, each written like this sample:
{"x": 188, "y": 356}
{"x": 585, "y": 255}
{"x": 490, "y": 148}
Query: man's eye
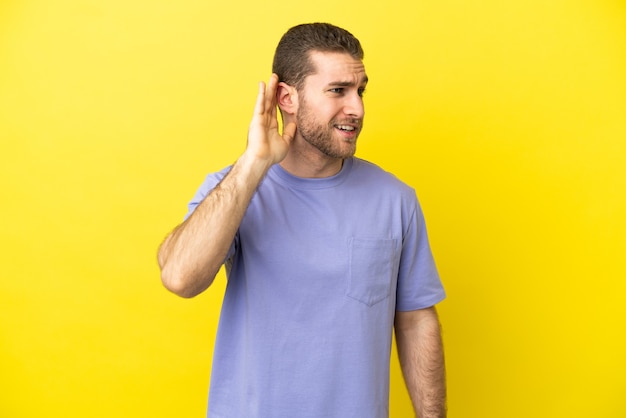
{"x": 337, "y": 90}
{"x": 361, "y": 92}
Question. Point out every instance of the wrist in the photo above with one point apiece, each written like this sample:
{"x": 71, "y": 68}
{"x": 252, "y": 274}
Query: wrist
{"x": 253, "y": 164}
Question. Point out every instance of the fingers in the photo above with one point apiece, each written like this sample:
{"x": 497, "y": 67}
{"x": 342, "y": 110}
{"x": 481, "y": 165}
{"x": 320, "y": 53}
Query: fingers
{"x": 266, "y": 99}
{"x": 270, "y": 93}
{"x": 259, "y": 106}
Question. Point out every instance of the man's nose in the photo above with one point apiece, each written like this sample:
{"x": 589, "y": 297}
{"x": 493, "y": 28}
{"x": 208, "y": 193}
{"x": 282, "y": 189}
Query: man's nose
{"x": 354, "y": 106}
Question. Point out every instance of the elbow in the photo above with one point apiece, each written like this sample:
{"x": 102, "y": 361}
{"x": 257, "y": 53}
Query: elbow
{"x": 178, "y": 287}
{"x": 173, "y": 278}
{"x": 184, "y": 285}
{"x": 183, "y": 278}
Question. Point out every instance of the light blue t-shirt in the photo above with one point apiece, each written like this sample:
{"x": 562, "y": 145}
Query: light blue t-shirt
{"x": 315, "y": 275}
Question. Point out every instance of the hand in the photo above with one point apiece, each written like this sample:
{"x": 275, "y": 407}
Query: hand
{"x": 264, "y": 140}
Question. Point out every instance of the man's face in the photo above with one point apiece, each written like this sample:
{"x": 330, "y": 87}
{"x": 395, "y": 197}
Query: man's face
{"x": 330, "y": 104}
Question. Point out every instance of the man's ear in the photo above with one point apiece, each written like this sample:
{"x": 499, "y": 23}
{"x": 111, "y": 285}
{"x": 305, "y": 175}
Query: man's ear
{"x": 287, "y": 97}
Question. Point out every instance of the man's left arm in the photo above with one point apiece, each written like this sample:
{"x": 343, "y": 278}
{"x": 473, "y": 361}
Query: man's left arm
{"x": 420, "y": 350}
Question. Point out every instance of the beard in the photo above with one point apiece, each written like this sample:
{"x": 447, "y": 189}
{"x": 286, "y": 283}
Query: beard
{"x": 324, "y": 136}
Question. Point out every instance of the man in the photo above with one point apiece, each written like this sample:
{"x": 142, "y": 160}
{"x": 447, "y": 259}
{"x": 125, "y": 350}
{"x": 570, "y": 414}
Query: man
{"x": 325, "y": 253}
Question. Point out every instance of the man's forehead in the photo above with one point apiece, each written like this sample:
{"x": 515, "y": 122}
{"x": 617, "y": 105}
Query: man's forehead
{"x": 337, "y": 67}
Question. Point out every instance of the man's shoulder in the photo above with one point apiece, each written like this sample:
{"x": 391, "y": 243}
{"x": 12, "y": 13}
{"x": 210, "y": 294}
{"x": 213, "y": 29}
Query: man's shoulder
{"x": 371, "y": 172}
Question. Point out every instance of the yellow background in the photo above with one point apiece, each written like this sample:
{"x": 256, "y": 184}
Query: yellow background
{"x": 508, "y": 117}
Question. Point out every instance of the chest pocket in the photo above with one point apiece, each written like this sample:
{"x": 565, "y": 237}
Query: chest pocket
{"x": 373, "y": 268}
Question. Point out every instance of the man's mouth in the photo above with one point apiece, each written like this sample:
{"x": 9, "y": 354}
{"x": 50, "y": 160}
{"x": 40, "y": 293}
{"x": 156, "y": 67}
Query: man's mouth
{"x": 346, "y": 128}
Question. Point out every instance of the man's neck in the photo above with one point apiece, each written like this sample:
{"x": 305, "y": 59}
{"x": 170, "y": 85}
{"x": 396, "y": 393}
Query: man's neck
{"x": 303, "y": 160}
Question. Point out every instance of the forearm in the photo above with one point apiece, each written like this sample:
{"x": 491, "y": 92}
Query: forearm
{"x": 420, "y": 349}
{"x": 193, "y": 253}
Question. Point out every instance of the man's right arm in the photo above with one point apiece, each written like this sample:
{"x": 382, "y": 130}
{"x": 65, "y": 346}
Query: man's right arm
{"x": 193, "y": 253}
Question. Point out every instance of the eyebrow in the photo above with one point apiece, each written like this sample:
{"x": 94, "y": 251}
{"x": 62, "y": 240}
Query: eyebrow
{"x": 347, "y": 83}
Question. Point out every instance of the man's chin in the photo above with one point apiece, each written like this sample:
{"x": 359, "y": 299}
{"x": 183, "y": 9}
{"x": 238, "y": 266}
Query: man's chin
{"x": 350, "y": 148}
{"x": 345, "y": 153}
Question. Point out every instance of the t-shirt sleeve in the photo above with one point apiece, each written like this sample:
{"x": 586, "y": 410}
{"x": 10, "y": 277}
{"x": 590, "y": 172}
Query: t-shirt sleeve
{"x": 419, "y": 284}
